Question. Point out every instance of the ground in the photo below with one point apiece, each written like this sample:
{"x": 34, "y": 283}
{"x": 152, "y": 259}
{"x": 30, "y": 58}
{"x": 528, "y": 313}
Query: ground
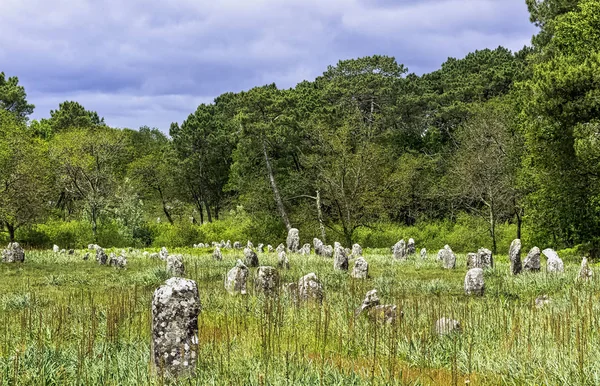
{"x": 66, "y": 321}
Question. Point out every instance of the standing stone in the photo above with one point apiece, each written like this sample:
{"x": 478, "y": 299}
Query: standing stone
{"x": 250, "y": 257}
{"x": 472, "y": 261}
{"x": 474, "y": 284}
{"x": 340, "y": 260}
{"x": 163, "y": 254}
{"x": 423, "y": 253}
{"x": 250, "y": 245}
{"x": 446, "y": 326}
{"x": 318, "y": 244}
{"x": 237, "y": 245}
{"x": 293, "y": 240}
{"x": 217, "y": 255}
{"x": 310, "y": 288}
{"x": 117, "y": 261}
{"x": 327, "y": 251}
{"x": 554, "y": 263}
{"x": 269, "y": 248}
{"x": 267, "y": 280}
{"x": 235, "y": 282}
{"x": 357, "y": 251}
{"x": 13, "y": 253}
{"x": 514, "y": 254}
{"x": 410, "y": 247}
{"x": 283, "y": 261}
{"x": 532, "y": 262}
{"x": 305, "y": 250}
{"x": 175, "y": 309}
{"x": 485, "y": 258}
{"x": 361, "y": 269}
{"x": 261, "y": 248}
{"x": 585, "y": 272}
{"x": 440, "y": 254}
{"x": 55, "y": 248}
{"x": 175, "y": 266}
{"x": 101, "y": 256}
{"x": 371, "y": 300}
{"x": 399, "y": 250}
{"x": 227, "y": 245}
{"x": 448, "y": 258}
{"x": 280, "y": 248}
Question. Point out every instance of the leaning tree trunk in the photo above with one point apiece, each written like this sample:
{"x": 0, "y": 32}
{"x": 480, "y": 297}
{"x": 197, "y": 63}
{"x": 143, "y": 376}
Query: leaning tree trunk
{"x": 11, "y": 232}
{"x": 276, "y": 193}
{"x": 320, "y": 217}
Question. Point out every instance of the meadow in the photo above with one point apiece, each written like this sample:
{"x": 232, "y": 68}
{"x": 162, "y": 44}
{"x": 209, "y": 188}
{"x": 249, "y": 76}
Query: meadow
{"x": 66, "y": 321}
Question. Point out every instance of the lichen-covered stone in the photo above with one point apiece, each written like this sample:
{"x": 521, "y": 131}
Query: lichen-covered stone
{"x": 399, "y": 250}
{"x": 280, "y": 248}
{"x": 175, "y": 266}
{"x": 472, "y": 261}
{"x": 236, "y": 279}
{"x": 117, "y": 261}
{"x": 13, "y": 253}
{"x": 305, "y": 250}
{"x": 163, "y": 254}
{"x": 260, "y": 248}
{"x": 283, "y": 261}
{"x": 446, "y": 326}
{"x": 514, "y": 255}
{"x": 318, "y": 245}
{"x": 55, "y": 248}
{"x": 293, "y": 240}
{"x": 327, "y": 251}
{"x": 357, "y": 251}
{"x": 371, "y": 300}
{"x": 249, "y": 245}
{"x": 474, "y": 283}
{"x": 101, "y": 256}
{"x": 361, "y": 269}
{"x": 310, "y": 288}
{"x": 423, "y": 253}
{"x": 175, "y": 309}
{"x": 217, "y": 255}
{"x": 340, "y": 260}
{"x": 266, "y": 280}
{"x": 270, "y": 248}
{"x": 250, "y": 258}
{"x": 585, "y": 272}
{"x": 237, "y": 245}
{"x": 386, "y": 313}
{"x": 553, "y": 263}
{"x": 532, "y": 262}
{"x": 482, "y": 259}
{"x": 448, "y": 258}
{"x": 410, "y": 247}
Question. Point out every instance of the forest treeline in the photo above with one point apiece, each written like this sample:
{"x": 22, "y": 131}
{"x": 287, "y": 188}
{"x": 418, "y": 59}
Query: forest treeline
{"x": 499, "y": 136}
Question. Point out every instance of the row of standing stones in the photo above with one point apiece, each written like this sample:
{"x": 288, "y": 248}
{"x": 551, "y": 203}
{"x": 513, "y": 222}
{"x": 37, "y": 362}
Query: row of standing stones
{"x": 176, "y": 304}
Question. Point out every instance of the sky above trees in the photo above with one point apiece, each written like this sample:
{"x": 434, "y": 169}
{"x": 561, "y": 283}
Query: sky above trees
{"x": 151, "y": 63}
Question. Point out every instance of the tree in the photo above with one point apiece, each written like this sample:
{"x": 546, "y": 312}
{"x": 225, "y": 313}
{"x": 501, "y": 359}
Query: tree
{"x": 24, "y": 175}
{"x": 89, "y": 163}
{"x": 13, "y": 98}
{"x": 73, "y": 115}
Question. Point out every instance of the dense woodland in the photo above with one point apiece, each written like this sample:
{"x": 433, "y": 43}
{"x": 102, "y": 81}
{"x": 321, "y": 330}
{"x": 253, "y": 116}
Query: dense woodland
{"x": 500, "y": 137}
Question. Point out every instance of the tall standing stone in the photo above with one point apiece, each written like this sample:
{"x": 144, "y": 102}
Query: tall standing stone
{"x": 357, "y": 251}
{"x": 361, "y": 269}
{"x": 249, "y": 245}
{"x": 327, "y": 251}
{"x": 267, "y": 280}
{"x": 261, "y": 248}
{"x": 283, "y": 261}
{"x": 293, "y": 240}
{"x": 472, "y": 261}
{"x": 217, "y": 255}
{"x": 117, "y": 261}
{"x": 310, "y": 288}
{"x": 318, "y": 245}
{"x": 163, "y": 254}
{"x": 423, "y": 253}
{"x": 474, "y": 284}
{"x": 175, "y": 309}
{"x": 55, "y": 248}
{"x": 280, "y": 248}
{"x": 237, "y": 245}
{"x": 532, "y": 262}
{"x": 250, "y": 257}
{"x": 553, "y": 263}
{"x": 235, "y": 281}
{"x": 340, "y": 259}
{"x": 410, "y": 247}
{"x": 485, "y": 257}
{"x": 13, "y": 253}
{"x": 448, "y": 258}
{"x": 270, "y": 248}
{"x": 399, "y": 250}
{"x": 585, "y": 272}
{"x": 175, "y": 266}
{"x": 514, "y": 254}
{"x": 101, "y": 256}
{"x": 305, "y": 250}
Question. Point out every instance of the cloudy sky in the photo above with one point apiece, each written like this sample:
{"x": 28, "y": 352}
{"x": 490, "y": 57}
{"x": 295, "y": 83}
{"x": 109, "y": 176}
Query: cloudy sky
{"x": 149, "y": 62}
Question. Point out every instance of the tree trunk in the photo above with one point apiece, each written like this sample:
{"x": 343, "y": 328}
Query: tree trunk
{"x": 493, "y": 228}
{"x": 95, "y": 224}
{"x": 320, "y": 217}
{"x": 164, "y": 206}
{"x": 11, "y": 232}
{"x": 276, "y": 193}
{"x": 208, "y": 212}
{"x": 519, "y": 221}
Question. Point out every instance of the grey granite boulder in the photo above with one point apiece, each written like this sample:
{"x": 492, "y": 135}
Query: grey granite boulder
{"x": 250, "y": 257}
{"x": 340, "y": 260}
{"x": 553, "y": 263}
{"x": 175, "y": 266}
{"x": 474, "y": 283}
{"x": 532, "y": 261}
{"x": 236, "y": 279}
{"x": 101, "y": 256}
{"x": 514, "y": 255}
{"x": 399, "y": 250}
{"x": 217, "y": 255}
{"x": 361, "y": 269}
{"x": 293, "y": 240}
{"x": 310, "y": 288}
{"x": 266, "y": 280}
{"x": 13, "y": 253}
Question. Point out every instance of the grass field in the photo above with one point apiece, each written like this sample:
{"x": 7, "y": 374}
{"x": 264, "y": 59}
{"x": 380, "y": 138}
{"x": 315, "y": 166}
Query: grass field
{"x": 67, "y": 321}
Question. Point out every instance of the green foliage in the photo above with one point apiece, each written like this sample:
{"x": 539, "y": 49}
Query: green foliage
{"x": 13, "y": 98}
